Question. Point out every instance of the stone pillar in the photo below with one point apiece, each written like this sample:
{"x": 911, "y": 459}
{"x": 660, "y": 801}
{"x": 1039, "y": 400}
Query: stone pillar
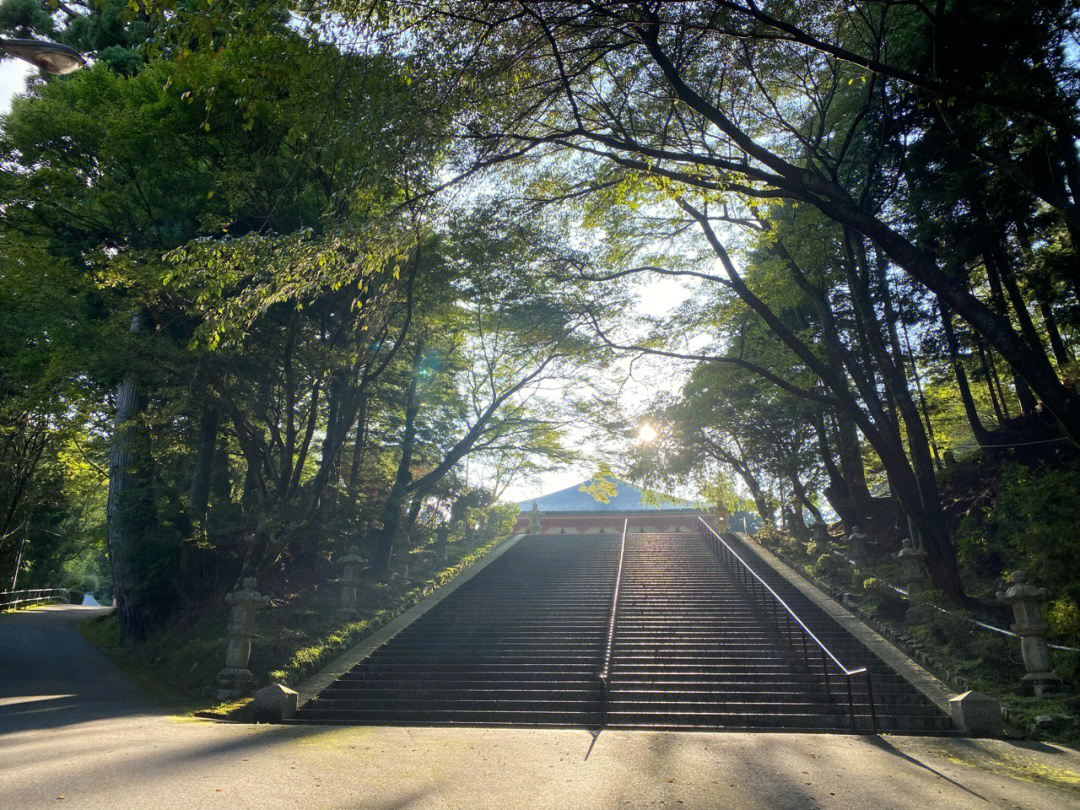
{"x": 911, "y": 560}
{"x": 820, "y": 534}
{"x": 349, "y": 579}
{"x": 534, "y": 520}
{"x": 976, "y": 715}
{"x": 1027, "y": 601}
{"x": 235, "y": 680}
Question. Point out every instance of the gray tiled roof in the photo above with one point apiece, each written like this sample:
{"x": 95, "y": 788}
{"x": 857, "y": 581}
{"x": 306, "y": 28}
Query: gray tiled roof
{"x": 628, "y": 498}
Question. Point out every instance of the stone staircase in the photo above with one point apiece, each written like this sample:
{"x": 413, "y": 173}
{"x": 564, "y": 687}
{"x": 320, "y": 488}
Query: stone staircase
{"x": 900, "y": 708}
{"x": 518, "y": 644}
{"x": 522, "y": 643}
{"x": 692, "y": 651}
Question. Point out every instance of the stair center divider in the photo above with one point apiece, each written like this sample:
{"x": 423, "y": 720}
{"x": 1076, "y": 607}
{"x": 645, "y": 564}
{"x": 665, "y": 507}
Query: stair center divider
{"x": 760, "y": 590}
{"x": 609, "y": 646}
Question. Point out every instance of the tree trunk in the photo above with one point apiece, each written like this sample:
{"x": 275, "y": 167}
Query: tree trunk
{"x": 993, "y": 384}
{"x": 837, "y": 492}
{"x": 997, "y": 297}
{"x": 411, "y": 517}
{"x": 128, "y": 501}
{"x": 982, "y": 435}
{"x": 895, "y": 382}
{"x": 395, "y": 500}
{"x": 800, "y": 494}
{"x": 205, "y": 448}
{"x": 1062, "y": 354}
{"x": 359, "y": 445}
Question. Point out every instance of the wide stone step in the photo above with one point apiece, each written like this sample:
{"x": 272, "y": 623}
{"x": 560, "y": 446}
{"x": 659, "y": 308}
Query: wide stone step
{"x": 449, "y": 716}
{"x": 535, "y": 703}
{"x": 521, "y": 644}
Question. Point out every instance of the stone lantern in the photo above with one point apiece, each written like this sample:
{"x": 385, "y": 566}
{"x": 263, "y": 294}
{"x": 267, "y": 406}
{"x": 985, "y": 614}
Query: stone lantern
{"x": 819, "y": 532}
{"x": 911, "y": 559}
{"x": 857, "y": 545}
{"x": 350, "y": 578}
{"x": 534, "y": 520}
{"x": 235, "y": 680}
{"x": 723, "y": 519}
{"x": 441, "y": 536}
{"x": 1027, "y": 601}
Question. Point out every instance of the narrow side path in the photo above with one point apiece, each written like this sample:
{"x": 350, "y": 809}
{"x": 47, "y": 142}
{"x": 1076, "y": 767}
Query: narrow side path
{"x": 75, "y": 734}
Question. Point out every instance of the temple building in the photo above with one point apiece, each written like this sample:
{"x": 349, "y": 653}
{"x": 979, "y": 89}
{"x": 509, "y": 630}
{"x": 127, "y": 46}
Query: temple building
{"x": 576, "y": 511}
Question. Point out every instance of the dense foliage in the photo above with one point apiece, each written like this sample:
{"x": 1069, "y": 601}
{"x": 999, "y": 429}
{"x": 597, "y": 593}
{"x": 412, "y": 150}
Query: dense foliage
{"x": 280, "y": 279}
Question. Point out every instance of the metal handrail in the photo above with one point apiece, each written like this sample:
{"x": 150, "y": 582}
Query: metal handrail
{"x": 35, "y": 595}
{"x": 806, "y": 632}
{"x": 609, "y": 646}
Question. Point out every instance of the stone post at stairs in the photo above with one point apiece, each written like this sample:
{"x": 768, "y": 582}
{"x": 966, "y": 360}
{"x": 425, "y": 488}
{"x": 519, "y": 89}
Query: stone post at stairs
{"x": 350, "y": 578}
{"x": 1027, "y": 601}
{"x": 235, "y": 680}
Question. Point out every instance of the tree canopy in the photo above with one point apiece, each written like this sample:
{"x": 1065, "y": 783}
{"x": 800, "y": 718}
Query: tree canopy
{"x": 281, "y": 279}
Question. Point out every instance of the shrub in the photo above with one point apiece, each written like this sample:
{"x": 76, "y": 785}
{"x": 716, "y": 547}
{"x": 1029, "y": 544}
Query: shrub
{"x": 1030, "y": 524}
{"x": 827, "y": 566}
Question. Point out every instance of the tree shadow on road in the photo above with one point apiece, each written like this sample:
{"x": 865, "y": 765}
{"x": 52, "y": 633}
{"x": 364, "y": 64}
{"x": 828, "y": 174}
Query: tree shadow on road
{"x": 885, "y": 745}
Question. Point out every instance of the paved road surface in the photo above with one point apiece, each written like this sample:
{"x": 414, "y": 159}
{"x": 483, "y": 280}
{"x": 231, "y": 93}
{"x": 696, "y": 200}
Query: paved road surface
{"x": 74, "y": 734}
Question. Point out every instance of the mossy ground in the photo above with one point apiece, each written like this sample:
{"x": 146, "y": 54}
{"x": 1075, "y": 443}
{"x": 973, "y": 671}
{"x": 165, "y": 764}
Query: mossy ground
{"x": 295, "y": 638}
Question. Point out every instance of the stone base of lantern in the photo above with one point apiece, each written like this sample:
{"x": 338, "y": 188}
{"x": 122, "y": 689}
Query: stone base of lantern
{"x": 234, "y": 682}
{"x": 1041, "y": 683}
{"x": 346, "y": 615}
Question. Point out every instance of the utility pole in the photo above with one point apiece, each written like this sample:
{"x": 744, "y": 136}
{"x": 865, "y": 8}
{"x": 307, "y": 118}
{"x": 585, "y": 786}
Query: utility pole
{"x": 19, "y": 556}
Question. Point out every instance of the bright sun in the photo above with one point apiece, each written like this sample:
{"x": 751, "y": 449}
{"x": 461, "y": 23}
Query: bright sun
{"x": 646, "y": 433}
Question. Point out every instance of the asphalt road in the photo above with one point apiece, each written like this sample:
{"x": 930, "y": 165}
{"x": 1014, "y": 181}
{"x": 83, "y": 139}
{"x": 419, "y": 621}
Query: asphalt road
{"x": 74, "y": 733}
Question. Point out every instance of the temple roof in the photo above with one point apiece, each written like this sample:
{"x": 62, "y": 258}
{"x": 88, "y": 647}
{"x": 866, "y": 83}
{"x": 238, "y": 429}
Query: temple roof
{"x": 628, "y": 498}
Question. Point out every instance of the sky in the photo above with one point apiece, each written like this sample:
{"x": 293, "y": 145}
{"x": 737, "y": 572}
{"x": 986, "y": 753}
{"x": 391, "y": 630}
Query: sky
{"x": 655, "y": 299}
{"x": 13, "y": 73}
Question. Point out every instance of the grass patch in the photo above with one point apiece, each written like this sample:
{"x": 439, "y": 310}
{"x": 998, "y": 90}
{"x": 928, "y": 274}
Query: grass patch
{"x": 138, "y": 662}
{"x": 295, "y": 638}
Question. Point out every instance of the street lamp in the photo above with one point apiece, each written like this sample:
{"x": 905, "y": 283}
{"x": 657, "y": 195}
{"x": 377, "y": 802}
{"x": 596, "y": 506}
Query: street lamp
{"x": 49, "y": 56}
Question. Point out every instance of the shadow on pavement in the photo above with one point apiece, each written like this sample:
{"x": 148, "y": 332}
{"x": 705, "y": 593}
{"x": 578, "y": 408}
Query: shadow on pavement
{"x": 885, "y": 745}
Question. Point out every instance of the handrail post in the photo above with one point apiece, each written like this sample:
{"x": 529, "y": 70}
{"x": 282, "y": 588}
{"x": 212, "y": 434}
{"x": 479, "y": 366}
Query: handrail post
{"x": 870, "y": 697}
{"x": 851, "y": 705}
